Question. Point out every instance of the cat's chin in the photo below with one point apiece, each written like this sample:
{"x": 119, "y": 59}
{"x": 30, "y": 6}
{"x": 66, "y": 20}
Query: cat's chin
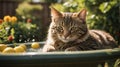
{"x": 65, "y": 41}
{"x": 68, "y": 39}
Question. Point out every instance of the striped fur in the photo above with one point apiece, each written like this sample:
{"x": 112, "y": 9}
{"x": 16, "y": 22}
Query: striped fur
{"x": 69, "y": 32}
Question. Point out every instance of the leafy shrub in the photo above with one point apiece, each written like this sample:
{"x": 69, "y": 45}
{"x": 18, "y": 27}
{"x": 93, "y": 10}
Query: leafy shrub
{"x": 34, "y": 12}
{"x": 27, "y": 10}
{"x": 12, "y": 30}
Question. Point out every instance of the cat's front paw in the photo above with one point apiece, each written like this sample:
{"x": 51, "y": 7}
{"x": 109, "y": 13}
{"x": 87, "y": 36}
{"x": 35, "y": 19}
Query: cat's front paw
{"x": 71, "y": 49}
{"x": 48, "y": 48}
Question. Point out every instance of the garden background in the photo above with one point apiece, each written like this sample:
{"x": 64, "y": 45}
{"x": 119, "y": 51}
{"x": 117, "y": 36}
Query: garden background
{"x": 33, "y": 17}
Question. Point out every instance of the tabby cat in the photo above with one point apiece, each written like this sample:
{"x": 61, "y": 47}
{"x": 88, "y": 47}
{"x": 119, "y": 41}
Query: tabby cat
{"x": 69, "y": 32}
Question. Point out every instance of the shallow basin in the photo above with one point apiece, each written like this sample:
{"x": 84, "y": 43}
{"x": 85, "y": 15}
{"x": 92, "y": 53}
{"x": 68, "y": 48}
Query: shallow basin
{"x": 91, "y": 58}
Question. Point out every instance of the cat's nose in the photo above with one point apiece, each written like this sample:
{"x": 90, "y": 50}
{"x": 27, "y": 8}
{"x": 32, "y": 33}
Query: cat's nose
{"x": 65, "y": 36}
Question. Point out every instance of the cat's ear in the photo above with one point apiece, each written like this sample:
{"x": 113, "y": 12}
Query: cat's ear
{"x": 82, "y": 14}
{"x": 55, "y": 13}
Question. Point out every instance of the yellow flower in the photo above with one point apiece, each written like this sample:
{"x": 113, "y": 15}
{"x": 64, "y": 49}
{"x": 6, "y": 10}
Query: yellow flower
{"x": 13, "y": 19}
{"x": 7, "y": 18}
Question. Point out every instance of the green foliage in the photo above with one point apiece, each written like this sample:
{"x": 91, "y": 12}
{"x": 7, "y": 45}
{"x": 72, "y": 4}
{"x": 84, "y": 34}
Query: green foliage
{"x": 69, "y": 5}
{"x": 17, "y": 32}
{"x": 49, "y": 1}
{"x": 24, "y": 32}
{"x": 3, "y": 33}
{"x": 27, "y": 10}
{"x": 102, "y": 14}
{"x": 32, "y": 11}
{"x": 117, "y": 63}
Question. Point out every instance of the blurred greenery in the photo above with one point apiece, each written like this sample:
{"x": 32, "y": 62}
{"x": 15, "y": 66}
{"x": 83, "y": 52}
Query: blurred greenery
{"x": 28, "y": 11}
{"x": 25, "y": 32}
{"x": 102, "y": 14}
{"x": 33, "y": 12}
{"x": 17, "y": 31}
{"x": 117, "y": 63}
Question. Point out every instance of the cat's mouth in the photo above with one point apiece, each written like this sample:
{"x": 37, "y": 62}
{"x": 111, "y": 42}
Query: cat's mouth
{"x": 68, "y": 39}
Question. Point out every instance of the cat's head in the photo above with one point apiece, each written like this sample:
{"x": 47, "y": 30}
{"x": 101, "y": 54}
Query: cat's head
{"x": 69, "y": 26}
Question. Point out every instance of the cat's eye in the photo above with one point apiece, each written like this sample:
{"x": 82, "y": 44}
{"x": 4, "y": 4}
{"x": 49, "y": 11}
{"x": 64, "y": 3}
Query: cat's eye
{"x": 59, "y": 29}
{"x": 73, "y": 29}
